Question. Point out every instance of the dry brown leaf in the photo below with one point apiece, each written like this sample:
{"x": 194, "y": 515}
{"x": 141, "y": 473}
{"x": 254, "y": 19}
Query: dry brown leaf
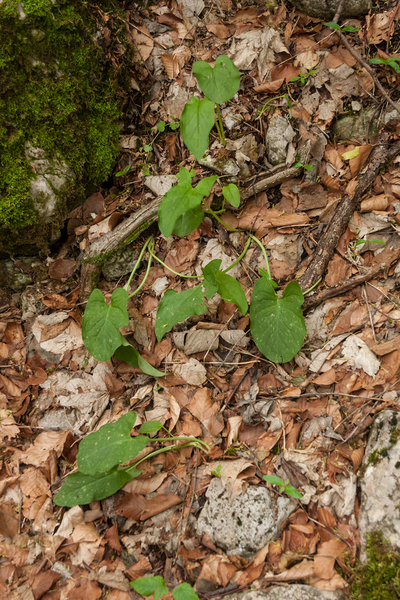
{"x": 220, "y": 30}
{"x": 356, "y": 457}
{"x": 14, "y": 334}
{"x": 143, "y": 42}
{"x": 18, "y": 556}
{"x": 326, "y": 378}
{"x": 359, "y": 161}
{"x": 302, "y": 570}
{"x": 13, "y": 390}
{"x": 8, "y": 427}
{"x": 42, "y": 582}
{"x": 85, "y": 588}
{"x": 55, "y": 301}
{"x": 217, "y": 569}
{"x": 270, "y": 86}
{"x": 339, "y": 270}
{"x": 326, "y": 518}
{"x": 230, "y": 470}
{"x": 215, "y": 424}
{"x": 44, "y": 445}
{"x": 33, "y": 483}
{"x": 62, "y": 268}
{"x": 145, "y": 486}
{"x": 138, "y": 508}
{"x": 336, "y": 583}
{"x": 9, "y": 520}
{"x": 139, "y": 569}
{"x": 380, "y": 202}
{"x": 201, "y": 405}
{"x": 234, "y": 424}
{"x": 112, "y": 538}
{"x": 171, "y": 65}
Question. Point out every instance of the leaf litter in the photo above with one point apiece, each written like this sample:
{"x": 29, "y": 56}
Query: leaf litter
{"x": 304, "y": 421}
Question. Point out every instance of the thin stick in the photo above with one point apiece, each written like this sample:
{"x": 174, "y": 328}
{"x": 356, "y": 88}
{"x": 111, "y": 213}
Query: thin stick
{"x": 369, "y": 313}
{"x": 338, "y": 12}
{"x": 391, "y": 25}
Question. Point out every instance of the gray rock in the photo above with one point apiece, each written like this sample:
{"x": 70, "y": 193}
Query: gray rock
{"x": 121, "y": 263}
{"x": 245, "y": 524}
{"x": 354, "y": 127}
{"x": 380, "y": 482}
{"x": 279, "y": 134}
{"x": 290, "y": 592}
{"x": 325, "y": 9}
{"x": 51, "y": 176}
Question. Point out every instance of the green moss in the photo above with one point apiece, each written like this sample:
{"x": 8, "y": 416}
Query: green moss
{"x": 379, "y": 578}
{"x": 377, "y": 455}
{"x": 57, "y": 92}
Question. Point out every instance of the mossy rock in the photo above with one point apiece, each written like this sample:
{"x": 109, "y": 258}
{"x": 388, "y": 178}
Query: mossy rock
{"x": 59, "y": 115}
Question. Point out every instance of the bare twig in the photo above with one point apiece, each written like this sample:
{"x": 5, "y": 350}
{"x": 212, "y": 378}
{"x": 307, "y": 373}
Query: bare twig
{"x": 338, "y": 12}
{"x": 391, "y": 25}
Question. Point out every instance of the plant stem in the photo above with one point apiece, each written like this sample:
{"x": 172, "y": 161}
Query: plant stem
{"x": 214, "y": 214}
{"x": 189, "y": 438}
{"x": 312, "y": 287}
{"x": 151, "y": 246}
{"x": 218, "y": 129}
{"x": 222, "y": 135}
{"x": 167, "y": 449}
{"x": 239, "y": 258}
{"x": 264, "y": 253}
{"x": 172, "y": 271}
{"x": 137, "y": 265}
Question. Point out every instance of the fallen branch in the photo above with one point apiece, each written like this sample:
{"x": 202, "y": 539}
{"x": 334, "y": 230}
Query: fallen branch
{"x": 379, "y": 157}
{"x": 314, "y": 299}
{"x": 102, "y": 248}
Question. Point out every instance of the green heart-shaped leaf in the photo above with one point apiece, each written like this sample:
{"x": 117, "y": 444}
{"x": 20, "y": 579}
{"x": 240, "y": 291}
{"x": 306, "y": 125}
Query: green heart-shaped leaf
{"x": 184, "y": 591}
{"x": 101, "y": 323}
{"x": 80, "y": 488}
{"x": 209, "y": 282}
{"x": 277, "y": 324}
{"x": 180, "y": 199}
{"x": 110, "y": 446}
{"x": 175, "y": 308}
{"x": 230, "y": 290}
{"x": 197, "y": 120}
{"x": 220, "y": 83}
{"x": 188, "y": 222}
{"x": 131, "y": 356}
{"x": 146, "y": 586}
{"x": 231, "y": 194}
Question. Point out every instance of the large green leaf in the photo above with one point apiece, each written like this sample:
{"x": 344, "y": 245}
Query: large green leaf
{"x": 180, "y": 199}
{"x": 175, "y": 308}
{"x": 220, "y": 83}
{"x": 80, "y": 488}
{"x": 110, "y": 446}
{"x": 184, "y": 591}
{"x": 146, "y": 586}
{"x": 131, "y": 356}
{"x": 101, "y": 323}
{"x": 231, "y": 194}
{"x": 277, "y": 324}
{"x": 197, "y": 120}
{"x": 227, "y": 287}
{"x": 188, "y": 222}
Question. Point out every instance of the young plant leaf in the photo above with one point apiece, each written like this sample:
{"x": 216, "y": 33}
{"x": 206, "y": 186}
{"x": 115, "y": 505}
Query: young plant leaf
{"x": 220, "y": 83}
{"x": 175, "y": 308}
{"x": 184, "y": 591}
{"x": 110, "y": 446}
{"x": 131, "y": 356}
{"x": 180, "y": 199}
{"x": 150, "y": 427}
{"x": 332, "y": 25}
{"x": 291, "y": 491}
{"x": 161, "y": 126}
{"x": 101, "y": 323}
{"x": 227, "y": 287}
{"x": 277, "y": 324}
{"x": 146, "y": 586}
{"x": 273, "y": 479}
{"x": 231, "y": 194}
{"x": 80, "y": 488}
{"x": 197, "y": 120}
{"x": 230, "y": 290}
{"x": 209, "y": 282}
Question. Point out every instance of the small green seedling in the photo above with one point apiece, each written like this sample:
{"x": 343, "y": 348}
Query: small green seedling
{"x": 374, "y": 241}
{"x": 217, "y": 472}
{"x": 300, "y": 164}
{"x": 303, "y": 77}
{"x": 346, "y": 28}
{"x": 102, "y": 453}
{"x": 267, "y": 107}
{"x": 392, "y": 61}
{"x": 283, "y": 485}
{"x": 147, "y": 586}
{"x": 219, "y": 84}
{"x": 123, "y": 172}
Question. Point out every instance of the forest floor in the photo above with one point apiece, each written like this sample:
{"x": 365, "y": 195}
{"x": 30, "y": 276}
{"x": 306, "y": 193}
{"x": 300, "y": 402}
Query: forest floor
{"x": 306, "y": 420}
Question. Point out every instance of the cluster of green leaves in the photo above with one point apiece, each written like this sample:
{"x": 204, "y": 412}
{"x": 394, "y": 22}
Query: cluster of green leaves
{"x": 283, "y": 486}
{"x": 346, "y": 28}
{"x": 101, "y": 455}
{"x": 157, "y": 129}
{"x": 101, "y": 334}
{"x": 219, "y": 84}
{"x": 146, "y": 586}
{"x": 392, "y": 61}
{"x": 303, "y": 77}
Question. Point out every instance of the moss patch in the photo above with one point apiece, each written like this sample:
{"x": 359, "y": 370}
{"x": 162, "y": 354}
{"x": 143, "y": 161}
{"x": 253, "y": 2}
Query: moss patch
{"x": 57, "y": 92}
{"x": 379, "y": 578}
